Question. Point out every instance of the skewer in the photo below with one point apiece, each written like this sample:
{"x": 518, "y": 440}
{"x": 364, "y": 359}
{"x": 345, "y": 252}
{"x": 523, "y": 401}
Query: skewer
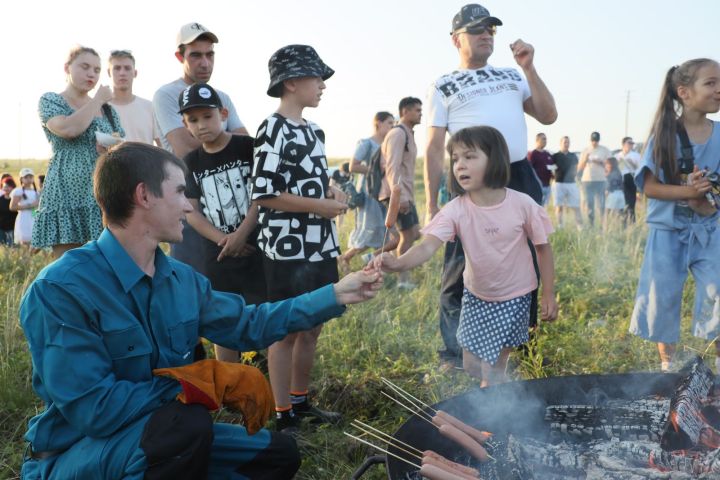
{"x": 395, "y": 387}
{"x": 414, "y": 412}
{"x": 389, "y": 441}
{"x": 382, "y": 450}
{"x": 390, "y": 437}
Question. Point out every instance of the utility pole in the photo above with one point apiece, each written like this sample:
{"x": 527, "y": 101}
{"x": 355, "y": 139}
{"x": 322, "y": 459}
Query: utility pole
{"x": 627, "y": 110}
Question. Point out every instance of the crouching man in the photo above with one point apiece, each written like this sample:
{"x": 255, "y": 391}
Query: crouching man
{"x": 100, "y": 319}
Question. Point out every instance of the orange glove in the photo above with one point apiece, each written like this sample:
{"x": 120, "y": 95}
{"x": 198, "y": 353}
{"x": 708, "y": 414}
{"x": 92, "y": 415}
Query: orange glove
{"x": 213, "y": 383}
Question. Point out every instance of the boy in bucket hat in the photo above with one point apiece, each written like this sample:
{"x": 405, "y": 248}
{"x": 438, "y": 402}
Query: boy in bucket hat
{"x": 297, "y": 237}
{"x": 218, "y": 188}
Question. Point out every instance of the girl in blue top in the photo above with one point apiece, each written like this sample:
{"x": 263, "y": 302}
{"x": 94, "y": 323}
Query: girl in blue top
{"x": 683, "y": 225}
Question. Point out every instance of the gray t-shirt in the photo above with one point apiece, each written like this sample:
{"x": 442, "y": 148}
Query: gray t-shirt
{"x": 167, "y": 118}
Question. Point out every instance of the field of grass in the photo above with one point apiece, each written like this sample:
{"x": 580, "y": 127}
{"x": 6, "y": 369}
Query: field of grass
{"x": 396, "y": 336}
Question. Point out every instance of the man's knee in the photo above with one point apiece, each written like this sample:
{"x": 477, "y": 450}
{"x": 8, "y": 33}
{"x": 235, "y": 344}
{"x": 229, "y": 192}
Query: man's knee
{"x": 177, "y": 442}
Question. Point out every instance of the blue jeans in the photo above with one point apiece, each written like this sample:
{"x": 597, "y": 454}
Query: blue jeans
{"x": 545, "y": 195}
{"x": 593, "y": 191}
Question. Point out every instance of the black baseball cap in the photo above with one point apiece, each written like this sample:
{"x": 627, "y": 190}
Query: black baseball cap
{"x": 595, "y": 137}
{"x": 473, "y": 14}
{"x": 198, "y": 95}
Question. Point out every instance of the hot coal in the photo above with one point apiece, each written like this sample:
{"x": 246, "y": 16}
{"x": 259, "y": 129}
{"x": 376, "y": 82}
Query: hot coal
{"x": 685, "y": 423}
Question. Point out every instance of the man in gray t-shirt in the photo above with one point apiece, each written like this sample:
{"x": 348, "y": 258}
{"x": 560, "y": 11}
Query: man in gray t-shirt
{"x": 195, "y": 50}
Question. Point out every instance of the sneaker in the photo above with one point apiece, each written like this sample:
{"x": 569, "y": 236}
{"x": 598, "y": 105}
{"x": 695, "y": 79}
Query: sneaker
{"x": 287, "y": 424}
{"x": 318, "y": 416}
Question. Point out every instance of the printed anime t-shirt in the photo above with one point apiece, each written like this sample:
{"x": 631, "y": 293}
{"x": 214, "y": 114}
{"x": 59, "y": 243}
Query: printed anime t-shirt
{"x": 291, "y": 158}
{"x": 486, "y": 96}
{"x": 221, "y": 182}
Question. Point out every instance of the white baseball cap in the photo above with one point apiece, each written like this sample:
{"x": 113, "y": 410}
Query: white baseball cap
{"x": 26, "y": 171}
{"x": 191, "y": 31}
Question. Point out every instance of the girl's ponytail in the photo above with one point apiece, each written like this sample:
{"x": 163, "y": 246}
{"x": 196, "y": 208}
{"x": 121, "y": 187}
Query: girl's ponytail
{"x": 664, "y": 129}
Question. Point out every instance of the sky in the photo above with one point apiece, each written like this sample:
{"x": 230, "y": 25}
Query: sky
{"x": 600, "y": 59}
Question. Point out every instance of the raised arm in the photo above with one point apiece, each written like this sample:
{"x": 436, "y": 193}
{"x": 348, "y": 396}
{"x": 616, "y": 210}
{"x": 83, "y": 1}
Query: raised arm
{"x": 541, "y": 104}
{"x": 417, "y": 255}
{"x": 73, "y": 125}
{"x": 434, "y": 159}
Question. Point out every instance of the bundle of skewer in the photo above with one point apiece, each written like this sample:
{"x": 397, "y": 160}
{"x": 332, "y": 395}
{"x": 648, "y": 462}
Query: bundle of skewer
{"x": 429, "y": 463}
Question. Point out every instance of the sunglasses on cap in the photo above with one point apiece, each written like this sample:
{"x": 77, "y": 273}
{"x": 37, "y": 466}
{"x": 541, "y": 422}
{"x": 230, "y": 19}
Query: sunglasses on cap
{"x": 477, "y": 30}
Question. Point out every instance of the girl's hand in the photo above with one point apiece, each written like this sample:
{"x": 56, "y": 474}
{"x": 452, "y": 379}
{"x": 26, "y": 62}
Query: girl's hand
{"x": 548, "y": 308}
{"x": 100, "y": 149}
{"x": 701, "y": 206}
{"x": 233, "y": 245}
{"x": 330, "y": 208}
{"x": 697, "y": 181}
{"x": 103, "y": 94}
{"x": 387, "y": 262}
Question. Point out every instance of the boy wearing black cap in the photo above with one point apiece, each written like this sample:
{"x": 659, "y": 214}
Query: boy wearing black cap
{"x": 297, "y": 236}
{"x": 218, "y": 186}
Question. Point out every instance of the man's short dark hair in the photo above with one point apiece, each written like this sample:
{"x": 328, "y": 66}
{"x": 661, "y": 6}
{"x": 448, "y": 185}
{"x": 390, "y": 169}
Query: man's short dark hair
{"x": 492, "y": 143}
{"x": 408, "y": 102}
{"x": 204, "y": 36}
{"x": 537, "y": 137}
{"x": 119, "y": 171}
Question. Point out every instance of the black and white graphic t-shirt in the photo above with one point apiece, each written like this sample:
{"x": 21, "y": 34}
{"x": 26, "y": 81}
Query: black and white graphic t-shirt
{"x": 221, "y": 182}
{"x": 486, "y": 96}
{"x": 291, "y": 158}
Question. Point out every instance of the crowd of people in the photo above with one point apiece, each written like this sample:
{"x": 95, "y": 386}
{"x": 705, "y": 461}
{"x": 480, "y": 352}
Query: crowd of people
{"x": 255, "y": 252}
{"x": 607, "y": 179}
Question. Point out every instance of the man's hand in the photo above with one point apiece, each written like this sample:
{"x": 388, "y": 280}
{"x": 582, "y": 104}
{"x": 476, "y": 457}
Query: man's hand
{"x": 523, "y": 53}
{"x": 548, "y": 308}
{"x": 330, "y": 208}
{"x": 358, "y": 286}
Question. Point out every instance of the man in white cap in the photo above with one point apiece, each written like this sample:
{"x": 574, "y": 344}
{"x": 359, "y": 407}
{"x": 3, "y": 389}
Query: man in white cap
{"x": 474, "y": 94}
{"x": 195, "y": 50}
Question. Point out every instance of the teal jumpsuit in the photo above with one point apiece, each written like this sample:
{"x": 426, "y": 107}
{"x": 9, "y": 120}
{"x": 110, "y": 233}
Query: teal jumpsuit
{"x": 97, "y": 326}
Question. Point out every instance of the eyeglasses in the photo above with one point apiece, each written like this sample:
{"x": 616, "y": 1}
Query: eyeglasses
{"x": 477, "y": 30}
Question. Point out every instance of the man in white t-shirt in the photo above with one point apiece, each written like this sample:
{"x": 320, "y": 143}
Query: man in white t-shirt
{"x": 480, "y": 94}
{"x": 136, "y": 113}
{"x": 196, "y": 52}
{"x": 629, "y": 161}
{"x": 592, "y": 166}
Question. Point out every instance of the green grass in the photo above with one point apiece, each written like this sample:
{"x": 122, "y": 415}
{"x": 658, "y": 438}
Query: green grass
{"x": 396, "y": 336}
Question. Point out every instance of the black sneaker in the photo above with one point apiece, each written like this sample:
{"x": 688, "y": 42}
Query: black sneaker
{"x": 288, "y": 424}
{"x": 316, "y": 415}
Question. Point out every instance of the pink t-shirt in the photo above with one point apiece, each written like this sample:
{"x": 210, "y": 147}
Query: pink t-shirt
{"x": 498, "y": 262}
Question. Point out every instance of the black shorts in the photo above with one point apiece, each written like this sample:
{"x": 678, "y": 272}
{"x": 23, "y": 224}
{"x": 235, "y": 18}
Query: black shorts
{"x": 242, "y": 275}
{"x": 290, "y": 278}
{"x": 405, "y": 221}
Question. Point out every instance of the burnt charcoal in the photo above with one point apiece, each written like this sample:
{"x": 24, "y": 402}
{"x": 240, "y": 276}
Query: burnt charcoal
{"x": 642, "y": 419}
{"x": 685, "y": 423}
{"x": 711, "y": 415}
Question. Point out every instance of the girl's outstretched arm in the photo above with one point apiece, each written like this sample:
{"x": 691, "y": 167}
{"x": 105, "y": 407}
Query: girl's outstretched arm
{"x": 417, "y": 255}
{"x": 546, "y": 264}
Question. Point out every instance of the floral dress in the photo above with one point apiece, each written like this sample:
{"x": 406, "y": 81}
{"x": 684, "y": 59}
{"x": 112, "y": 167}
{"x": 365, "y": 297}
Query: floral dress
{"x": 68, "y": 212}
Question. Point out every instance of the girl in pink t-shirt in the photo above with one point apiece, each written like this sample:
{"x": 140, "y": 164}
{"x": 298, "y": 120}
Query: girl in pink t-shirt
{"x": 494, "y": 224}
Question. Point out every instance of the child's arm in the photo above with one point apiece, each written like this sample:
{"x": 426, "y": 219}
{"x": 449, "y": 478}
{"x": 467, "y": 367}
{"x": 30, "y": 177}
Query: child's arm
{"x": 546, "y": 264}
{"x": 695, "y": 189}
{"x": 236, "y": 243}
{"x": 287, "y": 202}
{"x": 201, "y": 224}
{"x": 417, "y": 255}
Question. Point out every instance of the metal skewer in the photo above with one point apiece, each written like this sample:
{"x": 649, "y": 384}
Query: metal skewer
{"x": 404, "y": 393}
{"x": 382, "y": 450}
{"x": 390, "y": 441}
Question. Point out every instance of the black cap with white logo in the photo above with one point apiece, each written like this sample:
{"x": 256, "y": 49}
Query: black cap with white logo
{"x": 198, "y": 95}
{"x": 473, "y": 14}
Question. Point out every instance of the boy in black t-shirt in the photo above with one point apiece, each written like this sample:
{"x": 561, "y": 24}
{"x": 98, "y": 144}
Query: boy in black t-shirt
{"x": 298, "y": 236}
{"x": 218, "y": 186}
